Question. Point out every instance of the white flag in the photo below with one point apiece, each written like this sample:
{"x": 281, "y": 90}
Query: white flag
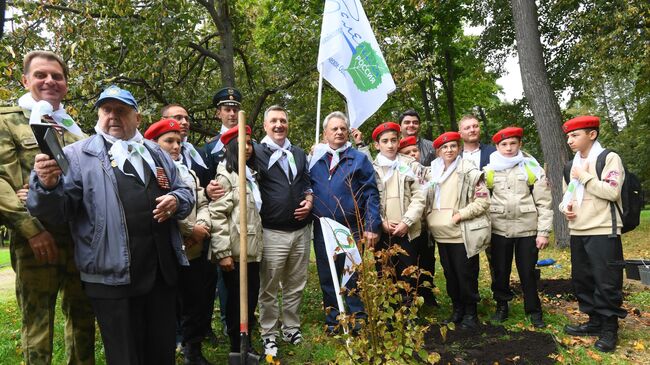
{"x": 338, "y": 240}
{"x": 349, "y": 58}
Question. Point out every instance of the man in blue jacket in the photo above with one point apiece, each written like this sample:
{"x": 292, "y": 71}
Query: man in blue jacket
{"x": 121, "y": 197}
{"x": 342, "y": 180}
{"x": 473, "y": 150}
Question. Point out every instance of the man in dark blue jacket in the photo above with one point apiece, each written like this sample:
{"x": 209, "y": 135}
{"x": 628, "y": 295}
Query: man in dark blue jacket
{"x": 473, "y": 149}
{"x": 343, "y": 181}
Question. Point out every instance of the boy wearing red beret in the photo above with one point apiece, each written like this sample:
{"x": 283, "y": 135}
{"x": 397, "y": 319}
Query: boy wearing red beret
{"x": 595, "y": 226}
{"x": 400, "y": 195}
{"x": 522, "y": 217}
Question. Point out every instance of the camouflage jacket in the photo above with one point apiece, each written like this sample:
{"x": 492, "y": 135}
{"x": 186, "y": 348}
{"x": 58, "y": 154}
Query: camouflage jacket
{"x": 18, "y": 148}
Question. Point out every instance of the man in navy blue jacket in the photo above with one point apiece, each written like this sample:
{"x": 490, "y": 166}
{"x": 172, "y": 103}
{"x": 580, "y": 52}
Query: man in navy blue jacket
{"x": 342, "y": 180}
{"x": 473, "y": 149}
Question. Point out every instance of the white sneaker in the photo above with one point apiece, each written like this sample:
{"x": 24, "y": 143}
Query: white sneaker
{"x": 270, "y": 346}
{"x": 293, "y": 338}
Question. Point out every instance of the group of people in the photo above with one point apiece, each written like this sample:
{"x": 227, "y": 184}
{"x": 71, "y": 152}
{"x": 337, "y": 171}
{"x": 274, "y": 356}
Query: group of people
{"x": 141, "y": 229}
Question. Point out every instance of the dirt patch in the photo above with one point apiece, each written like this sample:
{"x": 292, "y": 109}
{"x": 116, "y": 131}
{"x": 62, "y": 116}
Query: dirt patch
{"x": 554, "y": 288}
{"x": 489, "y": 344}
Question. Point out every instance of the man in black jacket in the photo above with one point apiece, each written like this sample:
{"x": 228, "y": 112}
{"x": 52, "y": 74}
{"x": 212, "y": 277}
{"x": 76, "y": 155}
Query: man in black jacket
{"x": 286, "y": 203}
{"x": 473, "y": 149}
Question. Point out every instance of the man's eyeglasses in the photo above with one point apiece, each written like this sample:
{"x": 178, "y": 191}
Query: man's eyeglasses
{"x": 179, "y": 117}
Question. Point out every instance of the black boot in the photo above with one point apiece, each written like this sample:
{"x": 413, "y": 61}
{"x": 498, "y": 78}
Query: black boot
{"x": 470, "y": 319}
{"x": 609, "y": 336}
{"x": 193, "y": 355}
{"x": 591, "y": 328}
{"x": 501, "y": 313}
{"x": 456, "y": 316}
{"x": 537, "y": 320}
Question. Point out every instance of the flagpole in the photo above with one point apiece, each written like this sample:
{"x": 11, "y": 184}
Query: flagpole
{"x": 320, "y": 95}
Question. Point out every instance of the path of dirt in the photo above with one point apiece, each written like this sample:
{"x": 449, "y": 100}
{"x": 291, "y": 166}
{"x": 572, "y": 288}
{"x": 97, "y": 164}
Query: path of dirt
{"x": 7, "y": 282}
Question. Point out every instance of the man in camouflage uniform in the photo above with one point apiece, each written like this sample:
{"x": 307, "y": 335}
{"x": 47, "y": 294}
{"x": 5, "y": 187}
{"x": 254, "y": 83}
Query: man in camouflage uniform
{"x": 41, "y": 255}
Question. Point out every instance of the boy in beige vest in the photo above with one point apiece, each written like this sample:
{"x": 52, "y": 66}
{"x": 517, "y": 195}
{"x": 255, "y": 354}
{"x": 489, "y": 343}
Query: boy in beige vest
{"x": 401, "y": 198}
{"x": 521, "y": 214}
{"x": 459, "y": 196}
{"x": 596, "y": 250}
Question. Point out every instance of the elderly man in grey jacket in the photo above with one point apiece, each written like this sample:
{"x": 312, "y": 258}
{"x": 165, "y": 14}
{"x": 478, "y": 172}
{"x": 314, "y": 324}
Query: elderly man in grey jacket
{"x": 121, "y": 197}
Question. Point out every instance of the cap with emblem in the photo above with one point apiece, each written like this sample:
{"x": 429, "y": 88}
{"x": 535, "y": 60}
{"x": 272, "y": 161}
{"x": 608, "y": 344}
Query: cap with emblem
{"x": 161, "y": 127}
{"x": 506, "y": 133}
{"x": 581, "y": 122}
{"x": 232, "y": 134}
{"x": 385, "y": 127}
{"x": 115, "y": 93}
{"x": 407, "y": 141}
{"x": 446, "y": 137}
{"x": 227, "y": 96}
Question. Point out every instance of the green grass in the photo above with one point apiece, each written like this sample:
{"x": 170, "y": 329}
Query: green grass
{"x": 5, "y": 259}
{"x": 319, "y": 349}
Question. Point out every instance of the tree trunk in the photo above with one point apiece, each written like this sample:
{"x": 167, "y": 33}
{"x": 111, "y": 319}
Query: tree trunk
{"x": 543, "y": 103}
{"x": 451, "y": 106}
{"x": 486, "y": 131}
{"x": 226, "y": 49}
{"x": 427, "y": 109}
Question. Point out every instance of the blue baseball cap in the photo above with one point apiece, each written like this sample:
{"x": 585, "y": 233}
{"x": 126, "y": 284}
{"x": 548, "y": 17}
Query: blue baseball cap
{"x": 114, "y": 92}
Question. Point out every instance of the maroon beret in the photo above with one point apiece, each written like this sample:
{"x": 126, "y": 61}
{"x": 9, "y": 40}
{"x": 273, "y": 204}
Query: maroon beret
{"x": 383, "y": 127}
{"x": 161, "y": 127}
{"x": 446, "y": 137}
{"x": 407, "y": 141}
{"x": 581, "y": 122}
{"x": 506, "y": 133}
{"x": 232, "y": 133}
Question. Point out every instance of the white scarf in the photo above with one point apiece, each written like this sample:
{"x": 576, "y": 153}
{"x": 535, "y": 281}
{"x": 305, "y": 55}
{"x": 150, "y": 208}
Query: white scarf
{"x": 184, "y": 173}
{"x": 499, "y": 162}
{"x": 219, "y": 146}
{"x": 439, "y": 175}
{"x": 278, "y": 153}
{"x": 120, "y": 152}
{"x": 191, "y": 154}
{"x": 322, "y": 148}
{"x": 393, "y": 165}
{"x": 40, "y": 108}
{"x": 255, "y": 189}
{"x": 575, "y": 187}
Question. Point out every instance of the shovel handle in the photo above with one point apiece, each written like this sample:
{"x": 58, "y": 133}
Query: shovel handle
{"x": 243, "y": 226}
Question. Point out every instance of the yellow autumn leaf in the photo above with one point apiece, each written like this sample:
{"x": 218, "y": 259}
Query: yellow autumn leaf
{"x": 638, "y": 345}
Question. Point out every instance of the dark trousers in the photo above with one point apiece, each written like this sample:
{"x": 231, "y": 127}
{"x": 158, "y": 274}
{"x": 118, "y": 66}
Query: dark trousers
{"x": 401, "y": 261}
{"x": 525, "y": 253}
{"x": 139, "y": 330}
{"x": 461, "y": 275}
{"x": 597, "y": 274}
{"x": 193, "y": 299}
{"x": 327, "y": 285}
{"x": 209, "y": 281}
{"x": 426, "y": 259}
{"x": 231, "y": 279}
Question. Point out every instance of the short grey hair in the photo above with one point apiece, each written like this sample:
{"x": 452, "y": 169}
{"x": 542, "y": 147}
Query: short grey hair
{"x": 275, "y": 108}
{"x": 336, "y": 114}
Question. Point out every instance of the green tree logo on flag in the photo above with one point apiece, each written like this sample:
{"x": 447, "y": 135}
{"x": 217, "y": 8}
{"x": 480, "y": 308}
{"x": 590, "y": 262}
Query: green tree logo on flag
{"x": 366, "y": 67}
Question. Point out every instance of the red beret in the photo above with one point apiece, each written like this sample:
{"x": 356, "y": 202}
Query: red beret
{"x": 446, "y": 137}
{"x": 231, "y": 133}
{"x": 407, "y": 141}
{"x": 581, "y": 122}
{"x": 383, "y": 127}
{"x": 161, "y": 127}
{"x": 506, "y": 133}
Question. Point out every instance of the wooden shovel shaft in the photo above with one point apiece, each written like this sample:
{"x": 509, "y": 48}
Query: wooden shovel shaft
{"x": 243, "y": 227}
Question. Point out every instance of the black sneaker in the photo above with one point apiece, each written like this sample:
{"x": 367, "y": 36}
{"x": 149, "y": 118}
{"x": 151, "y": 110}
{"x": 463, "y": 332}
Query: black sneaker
{"x": 537, "y": 320}
{"x": 469, "y": 321}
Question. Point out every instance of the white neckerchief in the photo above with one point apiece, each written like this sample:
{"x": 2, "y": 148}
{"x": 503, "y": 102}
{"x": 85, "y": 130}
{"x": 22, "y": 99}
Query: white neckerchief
{"x": 322, "y": 148}
{"x": 120, "y": 152}
{"x": 255, "y": 189}
{"x": 393, "y": 165}
{"x": 278, "y": 153}
{"x": 184, "y": 173}
{"x": 219, "y": 146}
{"x": 191, "y": 154}
{"x": 499, "y": 162}
{"x": 439, "y": 175}
{"x": 575, "y": 187}
{"x": 40, "y": 108}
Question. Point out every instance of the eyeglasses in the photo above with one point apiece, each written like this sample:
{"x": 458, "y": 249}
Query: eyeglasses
{"x": 179, "y": 117}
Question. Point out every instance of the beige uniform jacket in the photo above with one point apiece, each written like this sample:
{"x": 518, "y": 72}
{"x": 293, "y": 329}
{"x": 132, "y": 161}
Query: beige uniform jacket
{"x": 413, "y": 197}
{"x": 198, "y": 214}
{"x": 224, "y": 213}
{"x": 514, "y": 211}
{"x": 593, "y": 216}
{"x": 18, "y": 148}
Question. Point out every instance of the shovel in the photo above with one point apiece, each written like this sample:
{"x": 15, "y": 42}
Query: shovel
{"x": 243, "y": 357}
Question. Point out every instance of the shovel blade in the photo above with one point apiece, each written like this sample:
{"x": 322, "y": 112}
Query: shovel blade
{"x": 236, "y": 358}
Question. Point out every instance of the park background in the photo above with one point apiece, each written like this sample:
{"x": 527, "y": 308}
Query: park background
{"x": 444, "y": 55}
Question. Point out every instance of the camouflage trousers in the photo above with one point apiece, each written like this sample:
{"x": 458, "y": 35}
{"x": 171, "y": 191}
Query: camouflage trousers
{"x": 37, "y": 287}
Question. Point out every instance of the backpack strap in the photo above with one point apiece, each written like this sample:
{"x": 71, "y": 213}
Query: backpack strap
{"x": 600, "y": 166}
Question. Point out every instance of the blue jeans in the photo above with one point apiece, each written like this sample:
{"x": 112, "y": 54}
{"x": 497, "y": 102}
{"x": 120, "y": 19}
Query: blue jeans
{"x": 327, "y": 285}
